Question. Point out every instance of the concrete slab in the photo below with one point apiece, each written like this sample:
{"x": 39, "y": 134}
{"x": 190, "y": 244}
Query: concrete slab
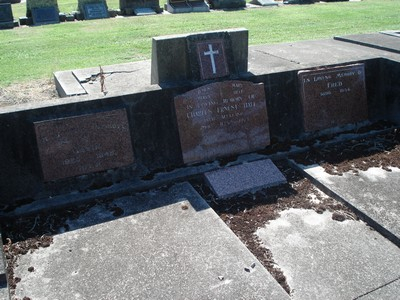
{"x": 326, "y": 259}
{"x": 375, "y": 193}
{"x": 380, "y": 41}
{"x": 165, "y": 245}
{"x": 387, "y": 292}
{"x": 67, "y": 85}
{"x": 267, "y": 59}
{"x": 247, "y": 177}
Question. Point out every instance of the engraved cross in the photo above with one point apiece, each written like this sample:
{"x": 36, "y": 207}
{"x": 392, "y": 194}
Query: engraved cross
{"x": 211, "y": 53}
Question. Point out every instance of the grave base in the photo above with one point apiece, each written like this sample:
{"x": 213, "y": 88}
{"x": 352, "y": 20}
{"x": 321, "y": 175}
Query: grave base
{"x": 221, "y": 4}
{"x": 7, "y": 25}
{"x": 264, "y": 2}
{"x": 144, "y": 11}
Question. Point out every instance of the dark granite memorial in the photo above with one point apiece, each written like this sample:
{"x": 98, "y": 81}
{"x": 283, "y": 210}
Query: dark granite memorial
{"x": 95, "y": 11}
{"x": 333, "y": 96}
{"x": 264, "y": 2}
{"x": 83, "y": 144}
{"x": 221, "y": 4}
{"x": 199, "y": 56}
{"x": 211, "y": 56}
{"x": 223, "y": 118}
{"x": 139, "y": 7}
{"x": 186, "y": 6}
{"x": 247, "y": 177}
{"x": 45, "y": 15}
{"x": 6, "y": 16}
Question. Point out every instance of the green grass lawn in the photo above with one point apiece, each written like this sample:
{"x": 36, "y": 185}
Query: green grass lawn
{"x": 35, "y": 52}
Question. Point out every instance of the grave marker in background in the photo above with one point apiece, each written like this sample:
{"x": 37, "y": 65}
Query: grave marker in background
{"x": 223, "y": 118}
{"x": 333, "y": 96}
{"x": 93, "y": 9}
{"x": 140, "y": 7}
{"x": 45, "y": 15}
{"x": 83, "y": 144}
{"x": 6, "y": 16}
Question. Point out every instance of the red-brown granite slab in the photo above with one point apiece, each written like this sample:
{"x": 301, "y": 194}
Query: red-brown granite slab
{"x": 333, "y": 96}
{"x": 212, "y": 59}
{"x": 222, "y": 118}
{"x": 83, "y": 144}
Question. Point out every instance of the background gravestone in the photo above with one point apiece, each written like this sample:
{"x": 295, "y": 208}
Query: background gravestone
{"x": 45, "y": 15}
{"x": 83, "y": 144}
{"x": 93, "y": 9}
{"x": 221, "y": 4}
{"x": 6, "y": 16}
{"x": 130, "y": 7}
{"x": 333, "y": 96}
{"x": 222, "y": 118}
{"x": 176, "y": 58}
{"x": 30, "y": 4}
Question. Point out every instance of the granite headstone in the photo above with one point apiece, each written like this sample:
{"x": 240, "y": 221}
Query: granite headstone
{"x": 83, "y": 144}
{"x": 247, "y": 177}
{"x": 222, "y": 118}
{"x": 45, "y": 15}
{"x": 130, "y": 7}
{"x": 6, "y": 16}
{"x": 333, "y": 96}
{"x": 95, "y": 11}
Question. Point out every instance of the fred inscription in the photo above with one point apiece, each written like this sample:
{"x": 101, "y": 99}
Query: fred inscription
{"x": 333, "y": 96}
{"x": 222, "y": 118}
{"x": 83, "y": 144}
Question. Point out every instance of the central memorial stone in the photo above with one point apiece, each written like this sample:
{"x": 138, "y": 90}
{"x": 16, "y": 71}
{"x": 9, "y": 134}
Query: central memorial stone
{"x": 333, "y": 96}
{"x": 83, "y": 144}
{"x": 222, "y": 118}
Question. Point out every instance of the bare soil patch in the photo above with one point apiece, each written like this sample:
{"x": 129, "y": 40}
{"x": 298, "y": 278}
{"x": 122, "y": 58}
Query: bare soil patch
{"x": 28, "y": 92}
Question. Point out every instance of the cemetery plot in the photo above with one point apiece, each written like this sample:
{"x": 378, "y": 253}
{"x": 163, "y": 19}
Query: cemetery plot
{"x": 223, "y": 118}
{"x": 333, "y": 96}
{"x": 83, "y": 144}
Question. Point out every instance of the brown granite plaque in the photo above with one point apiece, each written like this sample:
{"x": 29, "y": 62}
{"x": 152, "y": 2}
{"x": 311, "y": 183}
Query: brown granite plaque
{"x": 83, "y": 144}
{"x": 333, "y": 96}
{"x": 212, "y": 59}
{"x": 222, "y": 118}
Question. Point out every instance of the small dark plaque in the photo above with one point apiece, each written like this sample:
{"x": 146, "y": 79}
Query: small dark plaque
{"x": 333, "y": 96}
{"x": 95, "y": 11}
{"x": 222, "y": 118}
{"x": 45, "y": 15}
{"x": 84, "y": 144}
{"x": 211, "y": 56}
{"x": 247, "y": 177}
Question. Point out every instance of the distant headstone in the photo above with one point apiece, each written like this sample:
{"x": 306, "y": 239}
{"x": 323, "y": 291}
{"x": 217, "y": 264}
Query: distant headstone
{"x": 186, "y": 6}
{"x": 221, "y": 4}
{"x": 247, "y": 177}
{"x": 333, "y": 96}
{"x": 200, "y": 56}
{"x": 31, "y": 4}
{"x": 83, "y": 144}
{"x": 45, "y": 15}
{"x": 223, "y": 118}
{"x": 95, "y": 11}
{"x": 129, "y": 7}
{"x": 6, "y": 16}
{"x": 264, "y": 2}
{"x": 144, "y": 11}
{"x": 198, "y": 6}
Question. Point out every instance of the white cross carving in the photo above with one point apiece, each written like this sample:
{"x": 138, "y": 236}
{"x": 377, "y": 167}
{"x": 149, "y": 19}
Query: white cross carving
{"x": 211, "y": 52}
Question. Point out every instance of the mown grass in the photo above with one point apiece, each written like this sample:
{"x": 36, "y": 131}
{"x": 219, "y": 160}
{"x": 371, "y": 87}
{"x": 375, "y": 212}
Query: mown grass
{"x": 35, "y": 52}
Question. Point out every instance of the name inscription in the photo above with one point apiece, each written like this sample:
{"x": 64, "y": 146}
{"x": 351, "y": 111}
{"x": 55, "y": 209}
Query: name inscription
{"x": 222, "y": 119}
{"x": 83, "y": 144}
{"x": 333, "y": 96}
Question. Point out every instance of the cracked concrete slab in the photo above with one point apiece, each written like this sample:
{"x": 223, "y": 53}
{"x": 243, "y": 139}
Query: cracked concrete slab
{"x": 326, "y": 259}
{"x": 375, "y": 193}
{"x": 165, "y": 245}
